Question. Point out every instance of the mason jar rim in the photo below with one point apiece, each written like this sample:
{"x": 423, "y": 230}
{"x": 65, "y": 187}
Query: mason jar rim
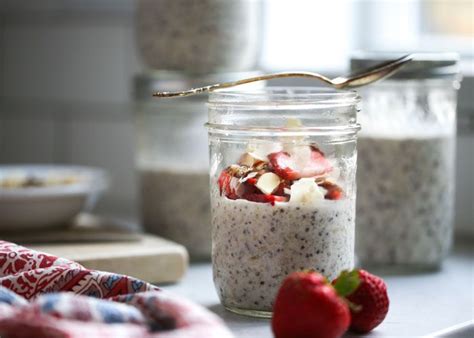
{"x": 273, "y": 95}
{"x": 272, "y": 131}
{"x": 245, "y": 111}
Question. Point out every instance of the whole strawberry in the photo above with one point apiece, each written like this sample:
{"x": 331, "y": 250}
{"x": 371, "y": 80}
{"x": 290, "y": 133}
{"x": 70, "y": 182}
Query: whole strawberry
{"x": 307, "y": 306}
{"x": 369, "y": 302}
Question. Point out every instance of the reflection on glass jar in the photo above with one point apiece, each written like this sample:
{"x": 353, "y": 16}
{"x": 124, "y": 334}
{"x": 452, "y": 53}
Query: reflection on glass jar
{"x": 283, "y": 164}
{"x": 405, "y": 176}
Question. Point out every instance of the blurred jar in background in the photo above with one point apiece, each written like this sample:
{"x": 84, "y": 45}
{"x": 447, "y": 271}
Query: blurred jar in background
{"x": 406, "y": 163}
{"x": 199, "y": 37}
{"x": 172, "y": 158}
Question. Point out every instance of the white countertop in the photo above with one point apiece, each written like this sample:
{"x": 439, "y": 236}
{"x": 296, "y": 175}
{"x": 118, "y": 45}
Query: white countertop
{"x": 420, "y": 304}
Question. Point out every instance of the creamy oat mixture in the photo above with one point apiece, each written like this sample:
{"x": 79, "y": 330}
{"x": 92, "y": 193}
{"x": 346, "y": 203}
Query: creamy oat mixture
{"x": 256, "y": 245}
{"x": 404, "y": 199}
{"x": 175, "y": 205}
{"x": 275, "y": 213}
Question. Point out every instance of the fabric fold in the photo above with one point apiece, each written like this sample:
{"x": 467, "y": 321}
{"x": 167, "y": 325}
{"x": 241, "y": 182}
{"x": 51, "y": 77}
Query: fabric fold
{"x": 42, "y": 295}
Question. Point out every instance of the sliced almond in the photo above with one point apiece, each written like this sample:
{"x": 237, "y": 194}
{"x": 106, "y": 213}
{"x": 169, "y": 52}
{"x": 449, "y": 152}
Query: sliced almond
{"x": 260, "y": 165}
{"x": 268, "y": 182}
{"x": 238, "y": 170}
{"x": 247, "y": 159}
{"x": 306, "y": 191}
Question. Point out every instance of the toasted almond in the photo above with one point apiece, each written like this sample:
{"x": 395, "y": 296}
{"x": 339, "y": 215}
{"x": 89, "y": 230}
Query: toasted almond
{"x": 238, "y": 170}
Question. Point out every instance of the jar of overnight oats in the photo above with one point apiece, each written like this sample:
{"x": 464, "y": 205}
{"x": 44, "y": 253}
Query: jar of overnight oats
{"x": 282, "y": 180}
{"x": 199, "y": 37}
{"x": 405, "y": 177}
{"x": 172, "y": 159}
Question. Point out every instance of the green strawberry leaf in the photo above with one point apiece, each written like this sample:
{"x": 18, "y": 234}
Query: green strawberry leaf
{"x": 347, "y": 282}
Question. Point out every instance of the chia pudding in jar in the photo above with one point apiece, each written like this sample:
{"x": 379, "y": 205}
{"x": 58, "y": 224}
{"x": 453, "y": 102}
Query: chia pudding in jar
{"x": 172, "y": 156}
{"x": 199, "y": 37}
{"x": 406, "y": 165}
{"x": 279, "y": 206}
{"x": 170, "y": 208}
{"x": 405, "y": 199}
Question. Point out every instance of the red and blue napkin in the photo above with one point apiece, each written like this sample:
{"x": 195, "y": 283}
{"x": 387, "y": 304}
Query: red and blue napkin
{"x": 45, "y": 296}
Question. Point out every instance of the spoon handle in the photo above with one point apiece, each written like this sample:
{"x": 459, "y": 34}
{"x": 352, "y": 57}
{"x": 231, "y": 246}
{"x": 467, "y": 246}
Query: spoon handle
{"x": 358, "y": 79}
{"x": 241, "y": 82}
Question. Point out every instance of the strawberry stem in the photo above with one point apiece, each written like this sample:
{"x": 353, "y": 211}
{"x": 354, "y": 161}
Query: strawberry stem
{"x": 347, "y": 282}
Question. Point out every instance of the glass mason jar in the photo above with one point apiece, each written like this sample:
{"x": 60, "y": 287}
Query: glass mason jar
{"x": 282, "y": 178}
{"x": 405, "y": 177}
{"x": 199, "y": 37}
{"x": 172, "y": 159}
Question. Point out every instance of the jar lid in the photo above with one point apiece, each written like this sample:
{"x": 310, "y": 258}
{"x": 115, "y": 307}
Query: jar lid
{"x": 423, "y": 65}
{"x": 148, "y": 82}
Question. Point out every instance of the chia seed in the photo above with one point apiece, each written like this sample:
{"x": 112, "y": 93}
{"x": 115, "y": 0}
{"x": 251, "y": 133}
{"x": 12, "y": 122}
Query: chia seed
{"x": 404, "y": 199}
{"x": 267, "y": 266}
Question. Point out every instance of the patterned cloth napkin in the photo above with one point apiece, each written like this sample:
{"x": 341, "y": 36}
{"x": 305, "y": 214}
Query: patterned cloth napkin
{"x": 45, "y": 296}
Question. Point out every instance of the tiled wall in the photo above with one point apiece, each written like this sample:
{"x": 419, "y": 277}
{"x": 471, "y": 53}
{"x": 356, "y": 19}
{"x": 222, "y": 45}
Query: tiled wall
{"x": 65, "y": 84}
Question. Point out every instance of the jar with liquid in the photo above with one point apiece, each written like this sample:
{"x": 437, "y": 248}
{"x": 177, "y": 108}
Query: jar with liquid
{"x": 283, "y": 166}
{"x": 406, "y": 163}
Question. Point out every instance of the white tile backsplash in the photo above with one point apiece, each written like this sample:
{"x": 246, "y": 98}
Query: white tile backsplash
{"x": 27, "y": 140}
{"x": 65, "y": 89}
{"x": 66, "y": 62}
{"x": 133, "y": 62}
{"x": 1, "y": 138}
{"x": 108, "y": 145}
{"x": 2, "y": 52}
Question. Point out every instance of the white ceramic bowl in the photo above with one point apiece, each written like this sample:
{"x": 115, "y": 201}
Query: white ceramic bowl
{"x": 49, "y": 206}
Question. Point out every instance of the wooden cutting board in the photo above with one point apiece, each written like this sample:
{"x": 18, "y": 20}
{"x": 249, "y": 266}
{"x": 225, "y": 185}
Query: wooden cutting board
{"x": 109, "y": 245}
{"x": 147, "y": 257}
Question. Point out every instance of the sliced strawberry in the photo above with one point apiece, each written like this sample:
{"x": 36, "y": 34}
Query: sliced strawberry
{"x": 251, "y": 181}
{"x": 246, "y": 188}
{"x": 262, "y": 198}
{"x": 299, "y": 166}
{"x": 283, "y": 165}
{"x": 231, "y": 187}
{"x": 334, "y": 192}
{"x": 317, "y": 165}
{"x": 228, "y": 185}
{"x": 232, "y": 196}
{"x": 224, "y": 182}
{"x": 280, "y": 191}
{"x": 316, "y": 149}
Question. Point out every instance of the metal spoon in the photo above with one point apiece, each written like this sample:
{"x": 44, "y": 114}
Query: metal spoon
{"x": 357, "y": 79}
